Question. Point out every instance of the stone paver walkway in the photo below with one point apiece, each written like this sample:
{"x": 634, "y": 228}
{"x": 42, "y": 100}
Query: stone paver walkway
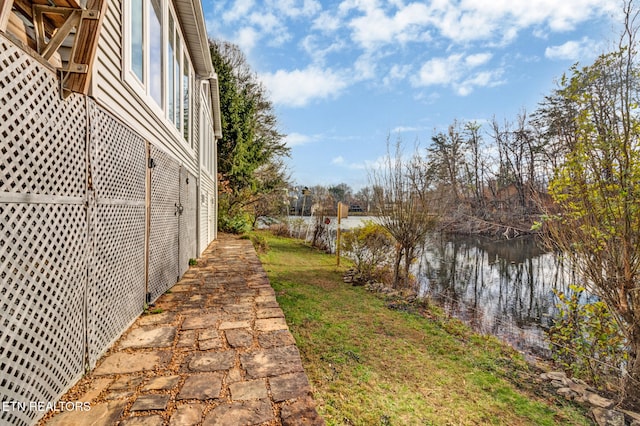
{"x": 220, "y": 353}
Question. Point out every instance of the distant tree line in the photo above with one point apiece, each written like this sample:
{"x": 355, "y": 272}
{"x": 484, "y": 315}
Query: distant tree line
{"x": 490, "y": 179}
{"x": 308, "y": 200}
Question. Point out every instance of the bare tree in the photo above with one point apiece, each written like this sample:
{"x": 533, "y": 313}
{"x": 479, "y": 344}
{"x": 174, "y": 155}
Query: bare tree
{"x": 402, "y": 207}
{"x": 364, "y": 197}
{"x": 446, "y": 160}
{"x": 475, "y": 166}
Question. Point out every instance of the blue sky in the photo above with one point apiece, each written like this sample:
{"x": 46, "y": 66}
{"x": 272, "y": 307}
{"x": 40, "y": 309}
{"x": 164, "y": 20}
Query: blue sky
{"x": 345, "y": 75}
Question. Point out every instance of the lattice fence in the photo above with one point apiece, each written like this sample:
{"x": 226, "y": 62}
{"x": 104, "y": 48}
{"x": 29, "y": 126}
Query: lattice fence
{"x": 43, "y": 228}
{"x": 118, "y": 221}
{"x": 73, "y": 232}
{"x": 163, "y": 232}
{"x": 188, "y": 219}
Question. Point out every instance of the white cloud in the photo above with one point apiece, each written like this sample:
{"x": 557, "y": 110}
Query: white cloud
{"x": 266, "y": 21}
{"x": 317, "y": 51}
{"x": 239, "y": 10}
{"x": 481, "y": 79}
{"x": 365, "y": 67}
{"x": 427, "y": 98}
{"x": 397, "y": 72}
{"x": 296, "y": 8}
{"x": 403, "y": 129}
{"x": 298, "y": 88}
{"x": 326, "y": 22}
{"x": 375, "y": 28}
{"x": 374, "y": 24}
{"x": 297, "y": 139}
{"x": 458, "y": 71}
{"x": 573, "y": 50}
{"x": 477, "y": 59}
{"x": 358, "y": 166}
{"x": 366, "y": 5}
{"x": 338, "y": 160}
{"x": 376, "y": 31}
{"x": 377, "y": 164}
{"x": 481, "y": 19}
{"x": 499, "y": 21}
{"x": 247, "y": 38}
{"x": 440, "y": 71}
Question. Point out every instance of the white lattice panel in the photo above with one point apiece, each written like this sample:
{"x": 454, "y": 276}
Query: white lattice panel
{"x": 118, "y": 158}
{"x": 117, "y": 269}
{"x": 117, "y": 278}
{"x": 43, "y": 231}
{"x": 163, "y": 232}
{"x": 188, "y": 219}
{"x": 38, "y": 131}
{"x": 42, "y": 279}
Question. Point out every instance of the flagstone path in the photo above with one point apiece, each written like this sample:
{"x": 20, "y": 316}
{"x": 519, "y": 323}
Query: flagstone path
{"x": 219, "y": 353}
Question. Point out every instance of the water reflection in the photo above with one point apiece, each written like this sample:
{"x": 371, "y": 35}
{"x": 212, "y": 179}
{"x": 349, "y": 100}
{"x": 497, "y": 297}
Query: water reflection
{"x": 500, "y": 287}
{"x": 503, "y": 288}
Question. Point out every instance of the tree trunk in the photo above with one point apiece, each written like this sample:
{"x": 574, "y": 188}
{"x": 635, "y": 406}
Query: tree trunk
{"x": 396, "y": 268}
{"x": 408, "y": 257}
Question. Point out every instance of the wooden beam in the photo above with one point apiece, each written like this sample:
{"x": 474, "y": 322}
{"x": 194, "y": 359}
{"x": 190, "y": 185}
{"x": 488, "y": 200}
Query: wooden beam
{"x": 5, "y": 10}
{"x": 86, "y": 45}
{"x": 73, "y": 4}
{"x": 71, "y": 19}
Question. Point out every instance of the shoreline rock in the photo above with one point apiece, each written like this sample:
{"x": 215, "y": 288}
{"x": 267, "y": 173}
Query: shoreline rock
{"x": 602, "y": 409}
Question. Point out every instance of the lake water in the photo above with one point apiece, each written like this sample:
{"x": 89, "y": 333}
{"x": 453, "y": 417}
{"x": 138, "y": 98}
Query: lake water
{"x": 504, "y": 287}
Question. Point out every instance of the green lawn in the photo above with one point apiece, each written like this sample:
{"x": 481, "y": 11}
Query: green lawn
{"x": 370, "y": 365}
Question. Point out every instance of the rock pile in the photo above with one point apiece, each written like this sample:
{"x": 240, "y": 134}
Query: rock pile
{"x": 601, "y": 408}
{"x": 354, "y": 277}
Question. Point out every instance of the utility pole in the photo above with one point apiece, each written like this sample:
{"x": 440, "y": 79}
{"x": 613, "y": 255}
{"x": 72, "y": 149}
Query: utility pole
{"x": 341, "y": 213}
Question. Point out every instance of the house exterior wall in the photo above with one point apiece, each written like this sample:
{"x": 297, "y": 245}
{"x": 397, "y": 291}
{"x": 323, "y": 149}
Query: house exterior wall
{"x": 110, "y": 90}
{"x": 102, "y": 204}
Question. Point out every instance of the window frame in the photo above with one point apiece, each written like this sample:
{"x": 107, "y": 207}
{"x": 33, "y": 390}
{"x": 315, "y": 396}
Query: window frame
{"x": 175, "y": 122}
{"x": 207, "y": 137}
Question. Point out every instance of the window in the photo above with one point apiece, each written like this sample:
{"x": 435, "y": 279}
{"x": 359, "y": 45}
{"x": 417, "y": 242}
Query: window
{"x": 137, "y": 42}
{"x": 171, "y": 78}
{"x": 155, "y": 51}
{"x": 186, "y": 99}
{"x": 157, "y": 63}
{"x": 207, "y": 139}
